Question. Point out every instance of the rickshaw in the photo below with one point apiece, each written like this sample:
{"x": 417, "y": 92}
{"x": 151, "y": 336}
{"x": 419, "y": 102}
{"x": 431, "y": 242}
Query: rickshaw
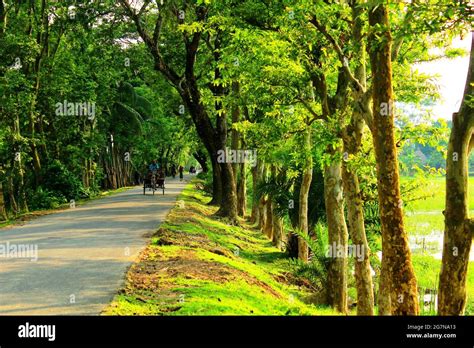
{"x": 154, "y": 180}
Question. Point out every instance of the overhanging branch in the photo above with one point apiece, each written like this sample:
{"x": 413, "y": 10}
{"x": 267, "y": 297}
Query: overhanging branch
{"x": 342, "y": 58}
{"x": 152, "y": 43}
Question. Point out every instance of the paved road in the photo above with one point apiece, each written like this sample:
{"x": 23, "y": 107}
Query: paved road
{"x": 83, "y": 253}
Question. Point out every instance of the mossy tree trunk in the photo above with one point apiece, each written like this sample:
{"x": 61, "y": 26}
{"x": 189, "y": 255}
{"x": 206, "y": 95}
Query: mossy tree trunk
{"x": 356, "y": 227}
{"x": 338, "y": 238}
{"x": 352, "y": 139}
{"x": 303, "y": 197}
{"x": 403, "y": 287}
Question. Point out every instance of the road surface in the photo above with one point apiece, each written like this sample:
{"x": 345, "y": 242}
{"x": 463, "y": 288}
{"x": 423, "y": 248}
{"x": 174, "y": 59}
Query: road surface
{"x": 82, "y": 253}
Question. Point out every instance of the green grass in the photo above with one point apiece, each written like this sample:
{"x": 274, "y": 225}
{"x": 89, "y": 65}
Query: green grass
{"x": 197, "y": 264}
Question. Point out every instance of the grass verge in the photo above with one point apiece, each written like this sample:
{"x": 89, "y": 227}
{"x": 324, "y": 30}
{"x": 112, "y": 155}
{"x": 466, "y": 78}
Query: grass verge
{"x": 196, "y": 264}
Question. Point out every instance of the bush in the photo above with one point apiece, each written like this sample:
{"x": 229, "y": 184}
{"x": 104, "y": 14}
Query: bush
{"x": 58, "y": 179}
{"x": 59, "y": 186}
{"x": 45, "y": 199}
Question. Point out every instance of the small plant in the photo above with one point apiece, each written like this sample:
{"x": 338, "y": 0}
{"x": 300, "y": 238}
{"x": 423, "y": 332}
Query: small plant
{"x": 316, "y": 269}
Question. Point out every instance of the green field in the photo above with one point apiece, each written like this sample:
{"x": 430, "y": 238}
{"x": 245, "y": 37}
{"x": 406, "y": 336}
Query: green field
{"x": 424, "y": 216}
{"x": 436, "y": 189}
{"x": 424, "y": 222}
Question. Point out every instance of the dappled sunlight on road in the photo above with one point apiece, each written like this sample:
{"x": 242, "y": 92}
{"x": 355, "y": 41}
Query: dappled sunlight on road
{"x": 82, "y": 253}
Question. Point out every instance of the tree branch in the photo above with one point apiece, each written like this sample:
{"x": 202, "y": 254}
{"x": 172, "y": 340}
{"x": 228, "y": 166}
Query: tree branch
{"x": 343, "y": 59}
{"x": 160, "y": 64}
{"x": 157, "y": 31}
{"x": 311, "y": 111}
{"x": 142, "y": 9}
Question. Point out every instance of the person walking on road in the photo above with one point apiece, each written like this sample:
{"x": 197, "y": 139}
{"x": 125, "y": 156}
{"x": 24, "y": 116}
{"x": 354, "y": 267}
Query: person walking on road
{"x": 173, "y": 170}
{"x": 181, "y": 170}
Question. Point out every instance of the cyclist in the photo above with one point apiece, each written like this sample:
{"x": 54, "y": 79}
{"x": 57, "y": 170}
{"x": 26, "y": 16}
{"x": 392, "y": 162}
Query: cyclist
{"x": 154, "y": 166}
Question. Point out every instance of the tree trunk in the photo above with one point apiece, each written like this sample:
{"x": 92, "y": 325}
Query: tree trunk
{"x": 42, "y": 37}
{"x": 3, "y": 213}
{"x": 200, "y": 156}
{"x": 278, "y": 237}
{"x": 21, "y": 188}
{"x": 255, "y": 217}
{"x": 383, "y": 301}
{"x": 32, "y": 119}
{"x": 459, "y": 228}
{"x": 85, "y": 173}
{"x": 403, "y": 287}
{"x": 216, "y": 182}
{"x": 303, "y": 251}
{"x": 355, "y": 217}
{"x": 18, "y": 165}
{"x": 225, "y": 173}
{"x": 262, "y": 211}
{"x": 352, "y": 136}
{"x": 36, "y": 162}
{"x": 166, "y": 161}
{"x": 11, "y": 195}
{"x": 277, "y": 227}
{"x": 242, "y": 192}
{"x": 214, "y": 138}
{"x": 337, "y": 231}
{"x": 352, "y": 139}
{"x": 268, "y": 227}
{"x": 235, "y": 135}
{"x": 228, "y": 206}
